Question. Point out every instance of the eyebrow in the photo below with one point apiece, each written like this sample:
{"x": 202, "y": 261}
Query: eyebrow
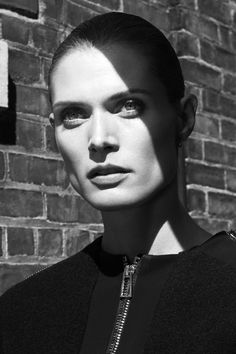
{"x": 128, "y": 92}
{"x": 116, "y": 96}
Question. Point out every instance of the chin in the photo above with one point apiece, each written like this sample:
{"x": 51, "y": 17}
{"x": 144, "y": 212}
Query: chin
{"x": 108, "y": 200}
{"x": 119, "y": 197}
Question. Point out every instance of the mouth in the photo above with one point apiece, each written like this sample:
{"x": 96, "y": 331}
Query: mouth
{"x": 107, "y": 174}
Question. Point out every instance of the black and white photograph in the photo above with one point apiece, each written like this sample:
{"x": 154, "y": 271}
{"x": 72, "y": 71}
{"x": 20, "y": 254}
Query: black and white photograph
{"x": 117, "y": 176}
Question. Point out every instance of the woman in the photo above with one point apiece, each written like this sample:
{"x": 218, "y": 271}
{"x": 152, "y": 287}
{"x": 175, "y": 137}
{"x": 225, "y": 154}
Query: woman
{"x": 155, "y": 282}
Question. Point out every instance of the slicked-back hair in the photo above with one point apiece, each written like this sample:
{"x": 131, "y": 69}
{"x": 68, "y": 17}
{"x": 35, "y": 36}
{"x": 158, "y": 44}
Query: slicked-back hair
{"x": 112, "y": 28}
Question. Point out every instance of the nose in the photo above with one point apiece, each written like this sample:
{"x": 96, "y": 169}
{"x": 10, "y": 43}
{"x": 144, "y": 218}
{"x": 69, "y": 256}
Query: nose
{"x": 102, "y": 133}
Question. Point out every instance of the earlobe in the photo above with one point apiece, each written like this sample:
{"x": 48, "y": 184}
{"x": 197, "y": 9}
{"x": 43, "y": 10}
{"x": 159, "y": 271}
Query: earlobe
{"x": 187, "y": 116}
{"x": 52, "y": 120}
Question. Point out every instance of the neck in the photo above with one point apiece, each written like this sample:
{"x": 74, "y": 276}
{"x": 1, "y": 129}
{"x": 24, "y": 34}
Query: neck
{"x": 159, "y": 226}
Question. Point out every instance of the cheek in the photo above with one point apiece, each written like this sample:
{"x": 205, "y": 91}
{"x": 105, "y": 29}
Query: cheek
{"x": 71, "y": 147}
{"x": 152, "y": 142}
{"x": 156, "y": 153}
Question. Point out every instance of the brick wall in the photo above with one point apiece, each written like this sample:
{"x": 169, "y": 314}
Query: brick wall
{"x": 204, "y": 35}
{"x": 42, "y": 220}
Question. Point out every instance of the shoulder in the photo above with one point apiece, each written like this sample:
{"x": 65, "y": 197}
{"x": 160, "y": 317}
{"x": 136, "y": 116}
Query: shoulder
{"x": 56, "y": 278}
{"x": 212, "y": 266}
{"x": 50, "y": 308}
{"x": 222, "y": 248}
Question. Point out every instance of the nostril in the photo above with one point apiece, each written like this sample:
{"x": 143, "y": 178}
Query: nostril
{"x": 99, "y": 148}
{"x": 102, "y": 145}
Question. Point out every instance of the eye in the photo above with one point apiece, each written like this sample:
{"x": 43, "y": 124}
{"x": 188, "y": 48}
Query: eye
{"x": 73, "y": 116}
{"x": 131, "y": 108}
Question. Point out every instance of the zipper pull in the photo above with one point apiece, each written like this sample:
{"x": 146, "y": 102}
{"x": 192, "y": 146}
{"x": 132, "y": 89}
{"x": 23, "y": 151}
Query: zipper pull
{"x": 127, "y": 279}
{"x": 127, "y": 283}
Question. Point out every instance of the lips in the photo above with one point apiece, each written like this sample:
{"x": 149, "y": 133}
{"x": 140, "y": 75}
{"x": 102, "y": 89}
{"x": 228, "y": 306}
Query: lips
{"x": 106, "y": 170}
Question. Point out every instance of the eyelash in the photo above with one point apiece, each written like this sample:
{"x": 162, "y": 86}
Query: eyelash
{"x": 69, "y": 116}
{"x": 134, "y": 112}
{"x": 66, "y": 116}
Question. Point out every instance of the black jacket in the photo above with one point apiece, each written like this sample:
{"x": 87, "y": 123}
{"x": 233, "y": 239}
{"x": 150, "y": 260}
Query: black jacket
{"x": 47, "y": 313}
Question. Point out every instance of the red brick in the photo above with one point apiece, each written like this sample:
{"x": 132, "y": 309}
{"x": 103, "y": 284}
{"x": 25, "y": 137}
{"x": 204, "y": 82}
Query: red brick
{"x": 13, "y": 274}
{"x": 207, "y": 126}
{"x": 212, "y": 225}
{"x": 15, "y": 30}
{"x": 18, "y": 167}
{"x": 233, "y": 40}
{"x": 216, "y": 9}
{"x": 225, "y": 59}
{"x": 37, "y": 170}
{"x": 200, "y": 74}
{"x": 176, "y": 18}
{"x": 15, "y": 202}
{"x": 71, "y": 209}
{"x": 230, "y": 83}
{"x": 211, "y": 101}
{"x": 231, "y": 180}
{"x": 53, "y": 9}
{"x": 50, "y": 140}
{"x": 228, "y": 106}
{"x": 222, "y": 205}
{"x": 45, "y": 70}
{"x": 193, "y": 149}
{"x": 29, "y": 134}
{"x": 228, "y": 130}
{"x": 180, "y": 18}
{"x": 76, "y": 240}
{"x": 207, "y": 51}
{"x": 75, "y": 14}
{"x": 45, "y": 39}
{"x": 111, "y": 4}
{"x": 219, "y": 153}
{"x": 234, "y": 19}
{"x": 27, "y": 100}
{"x": 218, "y": 56}
{"x": 192, "y": 22}
{"x": 216, "y": 103}
{"x": 1, "y": 250}
{"x": 186, "y": 3}
{"x": 24, "y": 67}
{"x": 196, "y": 200}
{"x": 24, "y": 7}
{"x": 204, "y": 175}
{"x": 184, "y": 43}
{"x": 232, "y": 225}
{"x": 44, "y": 104}
{"x": 32, "y": 100}
{"x": 157, "y": 15}
{"x": 208, "y": 29}
{"x": 20, "y": 241}
{"x": 2, "y": 166}
{"x": 50, "y": 243}
{"x": 225, "y": 37}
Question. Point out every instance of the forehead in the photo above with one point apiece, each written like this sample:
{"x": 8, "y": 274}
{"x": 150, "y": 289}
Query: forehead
{"x": 97, "y": 74}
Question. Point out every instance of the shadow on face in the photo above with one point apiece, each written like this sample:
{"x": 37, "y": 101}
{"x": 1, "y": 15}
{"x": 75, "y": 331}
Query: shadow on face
{"x": 110, "y": 110}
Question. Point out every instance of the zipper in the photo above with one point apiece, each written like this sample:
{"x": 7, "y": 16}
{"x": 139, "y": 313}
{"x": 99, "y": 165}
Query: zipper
{"x": 231, "y": 234}
{"x": 126, "y": 293}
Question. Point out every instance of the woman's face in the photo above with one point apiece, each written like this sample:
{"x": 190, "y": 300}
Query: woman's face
{"x": 114, "y": 126}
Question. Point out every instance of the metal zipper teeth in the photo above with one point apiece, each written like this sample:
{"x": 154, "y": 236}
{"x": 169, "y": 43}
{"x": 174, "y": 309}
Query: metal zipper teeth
{"x": 122, "y": 312}
{"x": 232, "y": 234}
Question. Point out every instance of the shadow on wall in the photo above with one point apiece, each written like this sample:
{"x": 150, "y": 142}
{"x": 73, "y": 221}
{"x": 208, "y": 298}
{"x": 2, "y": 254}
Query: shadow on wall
{"x": 8, "y": 117}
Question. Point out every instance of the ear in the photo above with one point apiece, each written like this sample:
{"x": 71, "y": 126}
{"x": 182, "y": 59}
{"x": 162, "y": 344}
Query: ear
{"x": 51, "y": 119}
{"x": 187, "y": 116}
